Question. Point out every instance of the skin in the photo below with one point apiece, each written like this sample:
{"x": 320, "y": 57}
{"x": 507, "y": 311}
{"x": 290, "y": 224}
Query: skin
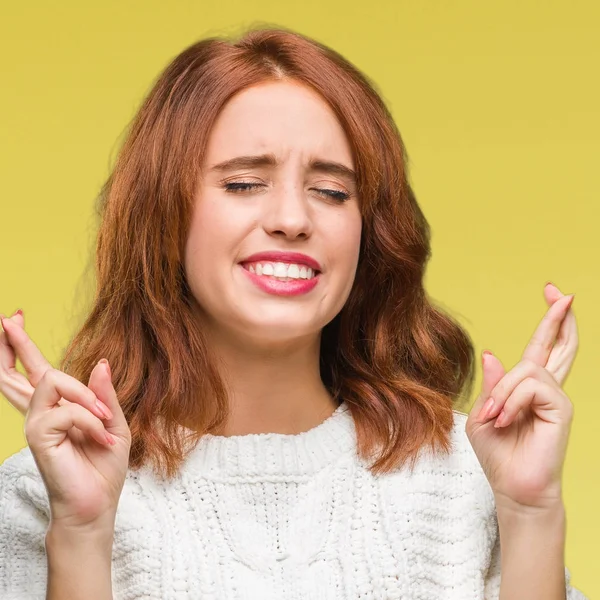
{"x": 269, "y": 345}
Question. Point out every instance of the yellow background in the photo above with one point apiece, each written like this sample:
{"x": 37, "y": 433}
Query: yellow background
{"x": 498, "y": 104}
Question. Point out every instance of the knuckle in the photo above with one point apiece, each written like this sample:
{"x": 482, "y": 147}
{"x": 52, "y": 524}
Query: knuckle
{"x": 544, "y": 343}
{"x": 530, "y": 383}
{"x": 76, "y": 410}
{"x": 50, "y": 376}
{"x": 39, "y": 366}
{"x": 530, "y": 367}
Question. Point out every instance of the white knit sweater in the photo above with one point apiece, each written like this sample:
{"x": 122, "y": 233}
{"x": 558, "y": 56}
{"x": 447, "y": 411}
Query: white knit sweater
{"x": 280, "y": 517}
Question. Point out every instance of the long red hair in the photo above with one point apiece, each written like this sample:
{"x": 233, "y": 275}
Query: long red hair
{"x": 399, "y": 362}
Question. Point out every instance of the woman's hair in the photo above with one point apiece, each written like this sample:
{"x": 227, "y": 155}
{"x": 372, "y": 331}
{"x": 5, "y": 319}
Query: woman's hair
{"x": 399, "y": 363}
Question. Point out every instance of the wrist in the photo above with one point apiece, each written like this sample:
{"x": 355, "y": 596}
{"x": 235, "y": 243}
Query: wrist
{"x": 516, "y": 524}
{"x": 551, "y": 505}
{"x": 75, "y": 538}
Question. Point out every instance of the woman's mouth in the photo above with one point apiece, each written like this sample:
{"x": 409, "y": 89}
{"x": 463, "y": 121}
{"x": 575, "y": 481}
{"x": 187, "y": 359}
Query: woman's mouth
{"x": 284, "y": 279}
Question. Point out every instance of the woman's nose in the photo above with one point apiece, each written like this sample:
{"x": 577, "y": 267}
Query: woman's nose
{"x": 287, "y": 212}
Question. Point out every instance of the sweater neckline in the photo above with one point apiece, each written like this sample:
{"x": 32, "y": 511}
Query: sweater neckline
{"x": 265, "y": 455}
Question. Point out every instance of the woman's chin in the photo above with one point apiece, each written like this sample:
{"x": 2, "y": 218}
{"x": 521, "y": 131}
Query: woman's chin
{"x": 277, "y": 334}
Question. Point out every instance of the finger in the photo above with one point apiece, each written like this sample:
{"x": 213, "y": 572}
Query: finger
{"x": 100, "y": 383}
{"x": 19, "y": 318}
{"x": 27, "y": 352}
{"x": 492, "y": 372}
{"x": 55, "y": 385}
{"x": 51, "y": 429}
{"x": 13, "y": 385}
{"x": 563, "y": 353}
{"x": 552, "y": 293}
{"x": 8, "y": 358}
{"x": 525, "y": 369}
{"x": 532, "y": 391}
{"x": 17, "y": 390}
{"x": 541, "y": 343}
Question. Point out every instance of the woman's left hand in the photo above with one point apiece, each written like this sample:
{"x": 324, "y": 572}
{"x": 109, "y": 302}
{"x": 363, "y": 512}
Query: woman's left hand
{"x": 523, "y": 457}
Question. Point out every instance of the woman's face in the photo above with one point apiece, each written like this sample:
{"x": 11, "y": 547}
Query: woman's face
{"x": 300, "y": 197}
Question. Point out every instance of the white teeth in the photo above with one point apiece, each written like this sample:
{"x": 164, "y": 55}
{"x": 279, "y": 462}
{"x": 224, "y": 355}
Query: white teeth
{"x": 282, "y": 270}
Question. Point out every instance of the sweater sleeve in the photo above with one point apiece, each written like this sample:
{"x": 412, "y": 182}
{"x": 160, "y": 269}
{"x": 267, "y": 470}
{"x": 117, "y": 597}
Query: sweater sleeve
{"x": 492, "y": 579}
{"x": 24, "y": 519}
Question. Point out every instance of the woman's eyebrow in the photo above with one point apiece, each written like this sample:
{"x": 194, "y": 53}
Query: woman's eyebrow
{"x": 269, "y": 160}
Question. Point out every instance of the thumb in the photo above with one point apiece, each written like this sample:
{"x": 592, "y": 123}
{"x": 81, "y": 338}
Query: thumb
{"x": 101, "y": 384}
{"x": 493, "y": 372}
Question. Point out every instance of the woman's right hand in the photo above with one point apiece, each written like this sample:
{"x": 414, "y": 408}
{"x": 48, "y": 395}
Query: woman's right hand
{"x": 68, "y": 435}
{"x": 17, "y": 388}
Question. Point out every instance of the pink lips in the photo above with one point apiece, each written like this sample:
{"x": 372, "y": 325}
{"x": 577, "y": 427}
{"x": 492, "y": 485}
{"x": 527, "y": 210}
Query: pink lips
{"x": 293, "y": 287}
{"x": 287, "y": 257}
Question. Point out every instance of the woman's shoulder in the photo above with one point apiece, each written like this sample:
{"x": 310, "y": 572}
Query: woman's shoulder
{"x": 453, "y": 478}
{"x": 461, "y": 461}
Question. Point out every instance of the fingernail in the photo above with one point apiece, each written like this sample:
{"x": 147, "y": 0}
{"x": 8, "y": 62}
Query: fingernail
{"x": 2, "y": 321}
{"x": 110, "y": 439}
{"x": 487, "y": 409}
{"x": 104, "y": 410}
{"x": 18, "y": 312}
{"x": 500, "y": 419}
{"x": 103, "y": 361}
{"x": 549, "y": 283}
{"x": 484, "y": 354}
{"x": 570, "y": 301}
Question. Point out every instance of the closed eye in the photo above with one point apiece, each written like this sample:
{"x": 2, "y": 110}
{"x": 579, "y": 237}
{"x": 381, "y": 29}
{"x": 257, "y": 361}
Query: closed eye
{"x": 238, "y": 186}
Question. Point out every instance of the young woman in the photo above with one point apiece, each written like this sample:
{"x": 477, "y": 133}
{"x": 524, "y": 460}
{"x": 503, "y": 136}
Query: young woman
{"x": 275, "y": 414}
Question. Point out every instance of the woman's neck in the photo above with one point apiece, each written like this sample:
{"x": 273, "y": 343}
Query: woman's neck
{"x": 273, "y": 390}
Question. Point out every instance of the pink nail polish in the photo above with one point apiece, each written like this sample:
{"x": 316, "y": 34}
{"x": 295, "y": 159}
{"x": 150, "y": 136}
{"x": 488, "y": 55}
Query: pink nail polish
{"x": 487, "y": 408}
{"x": 500, "y": 419}
{"x": 570, "y": 301}
{"x": 104, "y": 410}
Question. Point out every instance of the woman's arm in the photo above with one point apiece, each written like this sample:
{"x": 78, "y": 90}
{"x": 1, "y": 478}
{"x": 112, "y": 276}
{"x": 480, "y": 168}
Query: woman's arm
{"x": 79, "y": 564}
{"x": 522, "y": 555}
{"x": 533, "y": 563}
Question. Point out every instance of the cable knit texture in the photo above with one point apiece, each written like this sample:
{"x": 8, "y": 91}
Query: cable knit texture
{"x": 277, "y": 516}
